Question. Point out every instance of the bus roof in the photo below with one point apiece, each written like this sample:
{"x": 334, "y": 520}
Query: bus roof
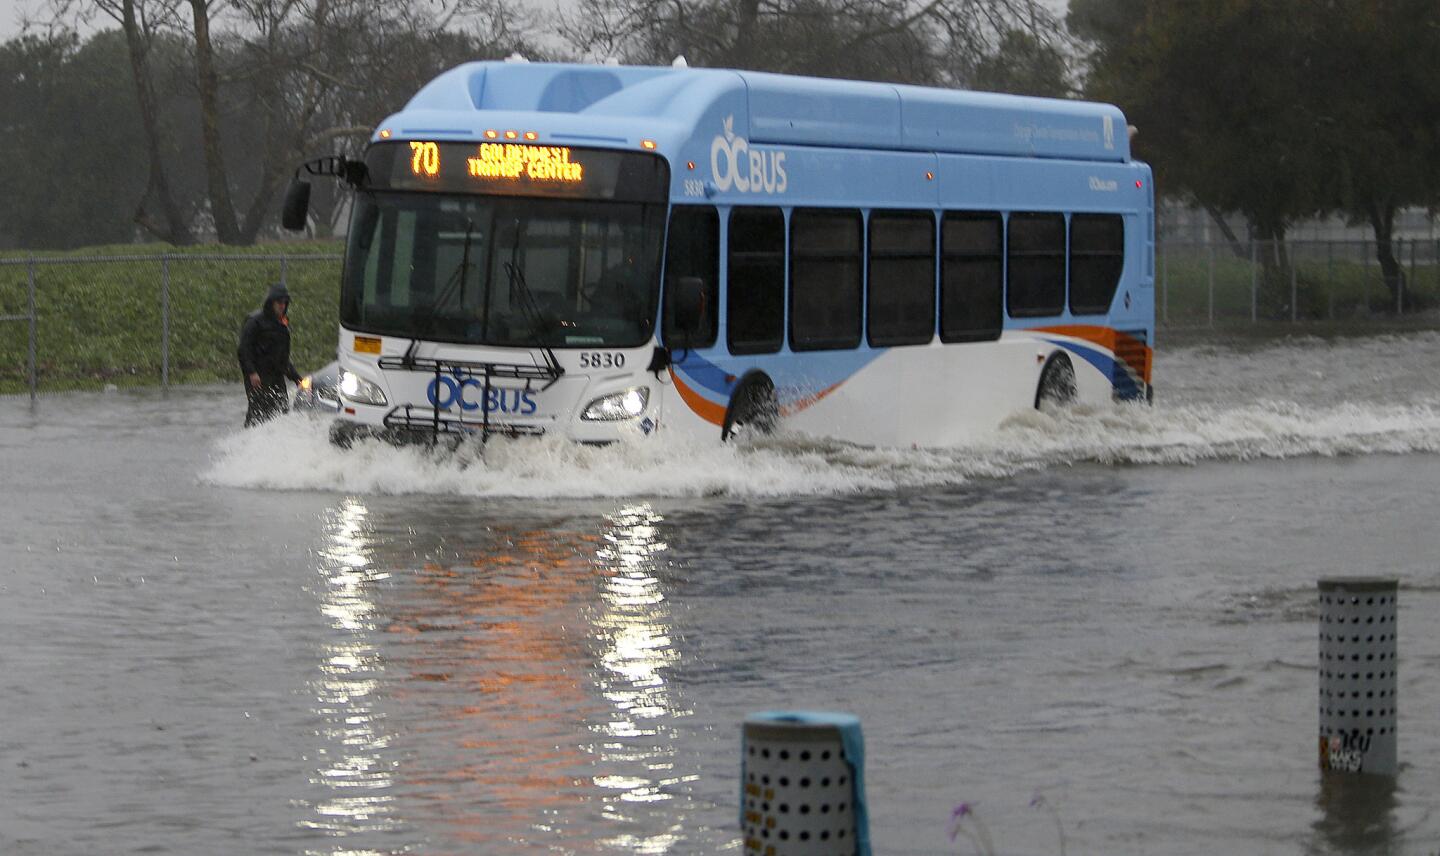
{"x": 605, "y": 104}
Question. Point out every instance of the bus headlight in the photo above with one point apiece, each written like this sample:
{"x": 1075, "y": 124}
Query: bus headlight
{"x": 360, "y": 390}
{"x": 617, "y": 405}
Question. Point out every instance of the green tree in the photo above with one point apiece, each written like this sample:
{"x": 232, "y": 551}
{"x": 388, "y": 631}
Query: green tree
{"x": 71, "y": 148}
{"x": 1377, "y": 110}
{"x": 1219, "y": 90}
{"x": 1023, "y": 64}
{"x": 1279, "y": 109}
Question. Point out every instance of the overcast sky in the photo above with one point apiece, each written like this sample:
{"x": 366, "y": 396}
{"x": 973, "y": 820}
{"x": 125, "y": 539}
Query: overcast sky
{"x": 12, "y": 10}
{"x": 10, "y": 17}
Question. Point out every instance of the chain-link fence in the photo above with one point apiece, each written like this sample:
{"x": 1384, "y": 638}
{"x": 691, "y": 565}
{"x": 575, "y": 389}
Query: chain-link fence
{"x": 82, "y": 322}
{"x": 1220, "y": 283}
{"x": 78, "y": 322}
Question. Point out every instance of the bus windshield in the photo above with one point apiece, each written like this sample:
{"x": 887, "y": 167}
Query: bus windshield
{"x": 503, "y": 271}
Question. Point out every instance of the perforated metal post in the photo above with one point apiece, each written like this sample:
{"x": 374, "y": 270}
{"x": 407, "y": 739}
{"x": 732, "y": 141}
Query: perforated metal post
{"x": 802, "y": 785}
{"x": 1357, "y": 675}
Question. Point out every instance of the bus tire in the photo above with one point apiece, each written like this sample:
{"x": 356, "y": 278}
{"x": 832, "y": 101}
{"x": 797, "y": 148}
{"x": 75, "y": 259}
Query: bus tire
{"x": 1057, "y": 383}
{"x": 753, "y": 408}
{"x": 342, "y": 434}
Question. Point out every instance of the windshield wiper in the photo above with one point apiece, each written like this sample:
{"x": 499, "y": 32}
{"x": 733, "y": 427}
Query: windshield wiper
{"x": 529, "y": 307}
{"x": 456, "y": 281}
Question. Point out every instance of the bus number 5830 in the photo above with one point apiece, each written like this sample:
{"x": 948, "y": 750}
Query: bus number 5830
{"x": 598, "y": 360}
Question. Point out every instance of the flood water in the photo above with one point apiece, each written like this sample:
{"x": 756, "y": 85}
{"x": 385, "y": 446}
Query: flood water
{"x": 215, "y": 641}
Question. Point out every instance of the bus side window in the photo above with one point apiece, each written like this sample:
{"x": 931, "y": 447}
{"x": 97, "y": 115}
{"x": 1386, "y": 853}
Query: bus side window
{"x": 825, "y": 273}
{"x": 1097, "y": 254}
{"x": 901, "y": 293}
{"x": 755, "y": 284}
{"x": 1036, "y": 257}
{"x": 693, "y": 249}
{"x": 971, "y": 276}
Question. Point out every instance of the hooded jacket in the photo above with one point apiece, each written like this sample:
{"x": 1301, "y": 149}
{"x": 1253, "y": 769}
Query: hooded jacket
{"x": 265, "y": 342}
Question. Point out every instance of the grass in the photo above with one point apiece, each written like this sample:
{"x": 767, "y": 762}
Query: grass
{"x": 100, "y": 322}
{"x": 1329, "y": 284}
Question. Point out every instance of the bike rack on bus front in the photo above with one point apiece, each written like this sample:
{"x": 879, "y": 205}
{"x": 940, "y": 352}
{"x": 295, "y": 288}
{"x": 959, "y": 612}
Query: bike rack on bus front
{"x": 464, "y": 370}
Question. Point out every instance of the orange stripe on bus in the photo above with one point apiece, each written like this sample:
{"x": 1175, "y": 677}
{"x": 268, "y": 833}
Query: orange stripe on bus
{"x": 1125, "y": 347}
{"x": 802, "y": 403}
{"x": 702, "y": 406}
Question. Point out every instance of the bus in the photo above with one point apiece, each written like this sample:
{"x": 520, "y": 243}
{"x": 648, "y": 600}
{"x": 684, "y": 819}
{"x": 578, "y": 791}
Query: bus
{"x": 601, "y": 252}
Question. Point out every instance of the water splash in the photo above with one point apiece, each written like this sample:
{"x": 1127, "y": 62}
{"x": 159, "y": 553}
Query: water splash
{"x": 1296, "y": 398}
{"x": 295, "y": 454}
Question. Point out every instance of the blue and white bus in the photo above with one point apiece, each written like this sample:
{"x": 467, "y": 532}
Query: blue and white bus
{"x": 600, "y": 251}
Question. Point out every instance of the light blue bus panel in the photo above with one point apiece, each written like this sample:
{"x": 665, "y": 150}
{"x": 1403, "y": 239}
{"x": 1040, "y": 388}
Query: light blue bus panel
{"x": 603, "y": 251}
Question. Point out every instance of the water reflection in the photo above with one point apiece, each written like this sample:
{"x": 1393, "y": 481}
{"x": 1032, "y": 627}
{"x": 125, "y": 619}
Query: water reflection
{"x": 524, "y": 673}
{"x": 351, "y": 763}
{"x": 486, "y": 666}
{"x": 1357, "y": 814}
{"x": 635, "y": 649}
{"x": 634, "y": 627}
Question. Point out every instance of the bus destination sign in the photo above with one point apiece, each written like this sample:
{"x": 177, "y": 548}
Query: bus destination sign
{"x": 535, "y": 163}
{"x": 516, "y": 169}
{"x": 506, "y": 161}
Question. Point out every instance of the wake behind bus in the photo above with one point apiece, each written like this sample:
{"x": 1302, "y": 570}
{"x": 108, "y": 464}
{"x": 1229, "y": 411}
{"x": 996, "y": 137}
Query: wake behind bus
{"x": 603, "y": 252}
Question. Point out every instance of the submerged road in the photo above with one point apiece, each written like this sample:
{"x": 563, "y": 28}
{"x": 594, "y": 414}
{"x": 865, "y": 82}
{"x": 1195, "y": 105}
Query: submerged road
{"x": 214, "y": 641}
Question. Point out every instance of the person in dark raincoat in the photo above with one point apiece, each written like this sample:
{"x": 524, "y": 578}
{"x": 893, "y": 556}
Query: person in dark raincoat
{"x": 265, "y": 357}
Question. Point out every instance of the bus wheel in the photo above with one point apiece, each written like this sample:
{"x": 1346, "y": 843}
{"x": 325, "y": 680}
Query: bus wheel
{"x": 1057, "y": 383}
{"x": 342, "y": 434}
{"x": 753, "y": 409}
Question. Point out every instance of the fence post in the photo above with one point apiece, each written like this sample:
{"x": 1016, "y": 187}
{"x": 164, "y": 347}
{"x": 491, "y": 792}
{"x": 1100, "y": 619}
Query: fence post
{"x": 165, "y": 324}
{"x": 1330, "y": 279}
{"x": 32, "y": 358}
{"x": 1165, "y": 283}
{"x": 1294, "y": 289}
{"x": 1211, "y": 253}
{"x": 1365, "y": 279}
{"x": 1400, "y": 292}
{"x": 284, "y": 269}
{"x": 1254, "y": 284}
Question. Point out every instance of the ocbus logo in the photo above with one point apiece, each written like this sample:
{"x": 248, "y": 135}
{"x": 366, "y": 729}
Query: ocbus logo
{"x": 733, "y": 164}
{"x": 446, "y": 392}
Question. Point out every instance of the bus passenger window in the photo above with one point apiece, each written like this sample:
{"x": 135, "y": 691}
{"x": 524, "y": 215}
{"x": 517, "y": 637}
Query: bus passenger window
{"x": 1097, "y": 253}
{"x": 1036, "y": 282}
{"x": 755, "y": 292}
{"x": 901, "y": 295}
{"x": 971, "y": 276}
{"x": 825, "y": 258}
{"x": 693, "y": 249}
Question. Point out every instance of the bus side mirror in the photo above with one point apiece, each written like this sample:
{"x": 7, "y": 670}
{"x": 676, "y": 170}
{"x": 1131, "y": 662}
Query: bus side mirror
{"x": 297, "y": 205}
{"x": 688, "y": 298}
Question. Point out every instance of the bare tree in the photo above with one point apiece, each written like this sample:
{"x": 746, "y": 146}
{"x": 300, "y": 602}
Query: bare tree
{"x": 143, "y": 24}
{"x": 277, "y": 80}
{"x": 914, "y": 41}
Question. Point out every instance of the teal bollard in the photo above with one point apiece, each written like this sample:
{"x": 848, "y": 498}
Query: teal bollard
{"x": 802, "y": 785}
